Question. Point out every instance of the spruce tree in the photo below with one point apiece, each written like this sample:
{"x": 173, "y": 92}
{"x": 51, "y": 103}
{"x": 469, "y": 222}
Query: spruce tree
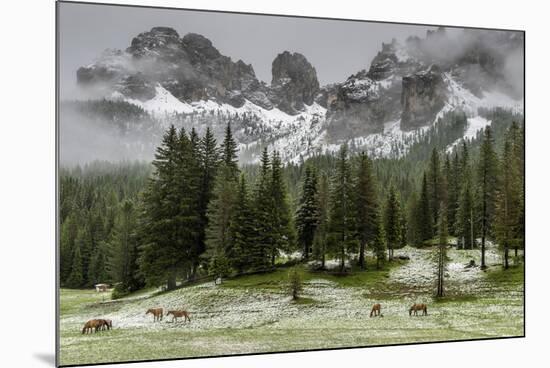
{"x": 378, "y": 245}
{"x": 465, "y": 228}
{"x": 487, "y": 171}
{"x": 208, "y": 160}
{"x": 366, "y": 206}
{"x": 341, "y": 211}
{"x": 442, "y": 252}
{"x": 508, "y": 206}
{"x": 76, "y": 277}
{"x": 69, "y": 230}
{"x": 170, "y": 216}
{"x": 229, "y": 152}
{"x": 263, "y": 214}
{"x": 282, "y": 227}
{"x": 243, "y": 233}
{"x": 307, "y": 214}
{"x": 424, "y": 218}
{"x": 465, "y": 223}
{"x": 453, "y": 183}
{"x": 97, "y": 272}
{"x": 321, "y": 232}
{"x": 193, "y": 213}
{"x": 434, "y": 185}
{"x": 123, "y": 244}
{"x": 414, "y": 228}
{"x": 220, "y": 213}
{"x": 515, "y": 135}
{"x": 221, "y": 207}
{"x": 443, "y": 234}
{"x": 392, "y": 218}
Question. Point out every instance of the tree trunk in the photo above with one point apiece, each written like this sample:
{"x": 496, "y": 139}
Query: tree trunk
{"x": 362, "y": 256}
{"x": 506, "y": 257}
{"x": 342, "y": 262}
{"x": 516, "y": 251}
{"x": 193, "y": 275}
{"x": 471, "y": 229}
{"x": 483, "y": 266}
{"x": 171, "y": 282}
{"x": 273, "y": 259}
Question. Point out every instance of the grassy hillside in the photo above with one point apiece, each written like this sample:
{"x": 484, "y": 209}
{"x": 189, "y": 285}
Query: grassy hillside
{"x": 256, "y": 314}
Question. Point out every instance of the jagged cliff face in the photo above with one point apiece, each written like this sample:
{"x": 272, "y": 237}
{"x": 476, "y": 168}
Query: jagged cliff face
{"x": 411, "y": 81}
{"x": 406, "y": 86}
{"x": 294, "y": 82}
{"x": 423, "y": 95}
{"x": 192, "y": 69}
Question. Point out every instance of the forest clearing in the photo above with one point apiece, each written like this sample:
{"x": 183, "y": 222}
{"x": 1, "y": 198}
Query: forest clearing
{"x": 256, "y": 313}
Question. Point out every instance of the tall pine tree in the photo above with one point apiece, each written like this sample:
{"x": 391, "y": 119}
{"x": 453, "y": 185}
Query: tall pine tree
{"x": 434, "y": 185}
{"x": 341, "y": 213}
{"x": 366, "y": 206}
{"x": 392, "y": 218}
{"x": 282, "y": 227}
{"x": 122, "y": 262}
{"x": 321, "y": 231}
{"x": 487, "y": 176}
{"x": 244, "y": 251}
{"x": 307, "y": 214}
{"x": 263, "y": 214}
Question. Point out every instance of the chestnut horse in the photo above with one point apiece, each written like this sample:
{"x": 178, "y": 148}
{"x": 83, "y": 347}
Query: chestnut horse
{"x": 157, "y": 313}
{"x": 106, "y": 324}
{"x": 375, "y": 311}
{"x": 92, "y": 325}
{"x": 418, "y": 307}
{"x": 178, "y": 314}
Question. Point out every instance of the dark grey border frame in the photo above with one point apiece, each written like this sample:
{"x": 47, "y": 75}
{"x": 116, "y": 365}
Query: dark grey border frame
{"x": 57, "y": 230}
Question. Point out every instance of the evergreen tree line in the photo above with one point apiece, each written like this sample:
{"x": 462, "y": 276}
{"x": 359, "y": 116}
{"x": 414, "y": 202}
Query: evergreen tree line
{"x": 200, "y": 213}
{"x": 97, "y": 213}
{"x": 474, "y": 199}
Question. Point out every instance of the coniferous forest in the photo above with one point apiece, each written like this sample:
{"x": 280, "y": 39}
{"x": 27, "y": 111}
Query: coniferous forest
{"x": 195, "y": 213}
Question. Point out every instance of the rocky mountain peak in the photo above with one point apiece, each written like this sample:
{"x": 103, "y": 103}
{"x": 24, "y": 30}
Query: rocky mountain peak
{"x": 154, "y": 41}
{"x": 294, "y": 82}
{"x": 197, "y": 44}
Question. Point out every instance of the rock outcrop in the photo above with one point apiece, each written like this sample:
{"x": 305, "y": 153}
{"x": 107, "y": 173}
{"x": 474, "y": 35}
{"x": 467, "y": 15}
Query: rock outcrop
{"x": 423, "y": 96}
{"x": 294, "y": 82}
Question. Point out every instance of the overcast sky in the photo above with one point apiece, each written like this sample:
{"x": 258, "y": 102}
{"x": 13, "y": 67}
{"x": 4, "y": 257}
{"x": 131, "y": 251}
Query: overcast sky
{"x": 336, "y": 49}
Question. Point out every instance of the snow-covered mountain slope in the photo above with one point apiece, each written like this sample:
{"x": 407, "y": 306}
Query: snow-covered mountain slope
{"x": 298, "y": 137}
{"x": 381, "y": 109}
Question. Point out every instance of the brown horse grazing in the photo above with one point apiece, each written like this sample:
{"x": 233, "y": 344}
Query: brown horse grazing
{"x": 106, "y": 324}
{"x": 418, "y": 307}
{"x": 375, "y": 311}
{"x": 157, "y": 313}
{"x": 92, "y": 325}
{"x": 178, "y": 314}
